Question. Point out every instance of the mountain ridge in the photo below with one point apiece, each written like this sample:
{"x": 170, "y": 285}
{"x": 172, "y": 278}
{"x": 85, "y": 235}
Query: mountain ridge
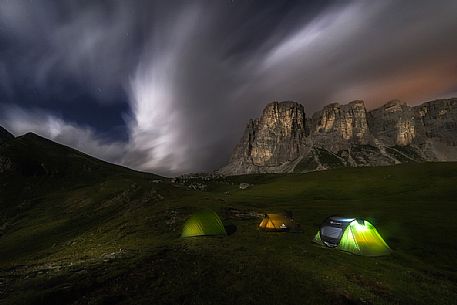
{"x": 33, "y": 148}
{"x": 284, "y": 139}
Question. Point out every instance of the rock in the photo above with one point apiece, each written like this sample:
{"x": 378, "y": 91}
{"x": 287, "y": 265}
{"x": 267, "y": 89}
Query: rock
{"x": 283, "y": 139}
{"x": 6, "y": 164}
{"x": 336, "y": 127}
{"x": 233, "y": 213}
{"x": 197, "y": 186}
{"x": 436, "y": 125}
{"x": 393, "y": 123}
{"x": 276, "y": 138}
{"x": 244, "y": 186}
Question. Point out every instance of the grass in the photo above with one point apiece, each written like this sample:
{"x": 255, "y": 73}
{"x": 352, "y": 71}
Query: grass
{"x": 116, "y": 240}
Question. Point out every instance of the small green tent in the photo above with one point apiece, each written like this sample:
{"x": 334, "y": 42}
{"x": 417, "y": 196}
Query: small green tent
{"x": 353, "y": 235}
{"x": 203, "y": 223}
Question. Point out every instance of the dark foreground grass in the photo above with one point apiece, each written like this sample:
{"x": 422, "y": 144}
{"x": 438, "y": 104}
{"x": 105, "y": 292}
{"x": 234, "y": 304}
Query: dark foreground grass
{"x": 116, "y": 241}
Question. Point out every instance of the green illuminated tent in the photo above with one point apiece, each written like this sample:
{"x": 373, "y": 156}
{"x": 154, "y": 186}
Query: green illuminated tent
{"x": 353, "y": 235}
{"x": 203, "y": 223}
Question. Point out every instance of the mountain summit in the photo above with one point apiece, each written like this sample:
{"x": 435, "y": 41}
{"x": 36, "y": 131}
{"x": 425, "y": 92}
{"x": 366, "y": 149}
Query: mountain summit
{"x": 284, "y": 139}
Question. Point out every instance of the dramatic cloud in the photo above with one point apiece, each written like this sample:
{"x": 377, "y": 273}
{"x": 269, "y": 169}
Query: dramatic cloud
{"x": 169, "y": 87}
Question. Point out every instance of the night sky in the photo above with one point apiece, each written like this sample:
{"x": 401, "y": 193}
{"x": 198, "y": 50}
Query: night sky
{"x": 168, "y": 86}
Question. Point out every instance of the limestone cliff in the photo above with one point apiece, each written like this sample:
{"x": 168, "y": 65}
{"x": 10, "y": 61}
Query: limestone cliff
{"x": 276, "y": 138}
{"x": 283, "y": 139}
{"x": 436, "y": 129}
{"x": 393, "y": 124}
{"x": 337, "y": 127}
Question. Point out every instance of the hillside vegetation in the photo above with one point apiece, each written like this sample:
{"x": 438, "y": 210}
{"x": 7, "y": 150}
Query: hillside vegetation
{"x": 87, "y": 232}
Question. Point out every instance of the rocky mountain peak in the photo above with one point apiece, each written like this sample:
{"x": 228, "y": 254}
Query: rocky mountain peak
{"x": 284, "y": 140}
{"x": 337, "y": 126}
{"x": 285, "y": 117}
{"x": 357, "y": 103}
{"x": 277, "y": 137}
{"x": 393, "y": 123}
{"x": 394, "y": 106}
{"x": 438, "y": 120}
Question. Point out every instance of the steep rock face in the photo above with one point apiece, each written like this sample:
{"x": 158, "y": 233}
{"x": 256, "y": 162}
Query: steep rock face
{"x": 393, "y": 123}
{"x": 438, "y": 120}
{"x": 336, "y": 127}
{"x": 437, "y": 128}
{"x": 276, "y": 138}
{"x": 284, "y": 140}
{"x": 279, "y": 134}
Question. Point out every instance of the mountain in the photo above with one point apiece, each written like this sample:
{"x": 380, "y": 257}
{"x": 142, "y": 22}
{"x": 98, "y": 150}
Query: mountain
{"x": 32, "y": 167}
{"x": 31, "y": 155}
{"x": 285, "y": 139}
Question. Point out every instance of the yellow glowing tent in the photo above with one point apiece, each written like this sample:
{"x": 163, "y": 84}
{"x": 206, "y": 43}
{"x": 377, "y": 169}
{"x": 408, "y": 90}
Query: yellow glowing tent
{"x": 277, "y": 222}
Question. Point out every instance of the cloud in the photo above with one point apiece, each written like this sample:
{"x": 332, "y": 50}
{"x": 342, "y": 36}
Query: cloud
{"x": 359, "y": 51}
{"x": 155, "y": 124}
{"x": 91, "y": 44}
{"x": 194, "y": 72}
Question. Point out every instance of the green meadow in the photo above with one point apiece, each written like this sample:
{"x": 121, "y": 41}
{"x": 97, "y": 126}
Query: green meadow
{"x": 112, "y": 236}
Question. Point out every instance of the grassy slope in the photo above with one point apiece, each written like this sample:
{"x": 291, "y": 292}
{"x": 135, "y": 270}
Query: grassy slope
{"x": 116, "y": 240}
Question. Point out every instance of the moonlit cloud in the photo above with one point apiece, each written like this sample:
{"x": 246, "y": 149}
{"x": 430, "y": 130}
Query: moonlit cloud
{"x": 87, "y": 44}
{"x": 329, "y": 27}
{"x": 155, "y": 101}
{"x": 181, "y": 79}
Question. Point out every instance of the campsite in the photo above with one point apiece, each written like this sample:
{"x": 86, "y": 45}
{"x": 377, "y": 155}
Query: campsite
{"x": 228, "y": 152}
{"x": 124, "y": 244}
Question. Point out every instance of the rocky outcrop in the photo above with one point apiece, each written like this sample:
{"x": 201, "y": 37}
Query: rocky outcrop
{"x": 436, "y": 124}
{"x": 277, "y": 138}
{"x": 337, "y": 127}
{"x": 283, "y": 139}
{"x": 393, "y": 124}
